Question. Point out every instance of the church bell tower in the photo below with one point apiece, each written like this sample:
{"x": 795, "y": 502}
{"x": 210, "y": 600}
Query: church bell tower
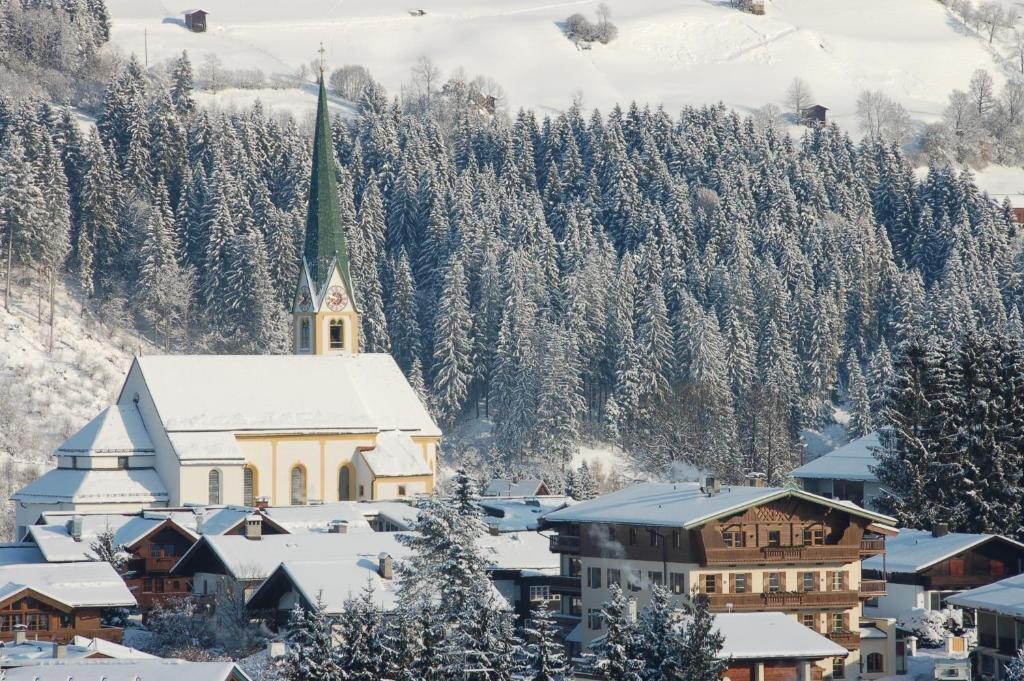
{"x": 325, "y": 317}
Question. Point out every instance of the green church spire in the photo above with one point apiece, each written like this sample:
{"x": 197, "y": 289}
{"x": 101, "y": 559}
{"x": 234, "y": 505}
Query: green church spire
{"x": 325, "y": 235}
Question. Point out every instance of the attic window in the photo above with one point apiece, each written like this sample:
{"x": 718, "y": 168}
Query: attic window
{"x": 337, "y": 335}
{"x": 214, "y": 487}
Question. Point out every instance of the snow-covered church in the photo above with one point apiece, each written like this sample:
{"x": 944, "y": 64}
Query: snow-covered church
{"x": 327, "y": 423}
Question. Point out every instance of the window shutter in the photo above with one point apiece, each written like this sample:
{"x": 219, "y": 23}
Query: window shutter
{"x": 732, "y": 583}
{"x": 718, "y": 583}
{"x": 782, "y": 581}
{"x": 846, "y": 581}
{"x": 750, "y": 581}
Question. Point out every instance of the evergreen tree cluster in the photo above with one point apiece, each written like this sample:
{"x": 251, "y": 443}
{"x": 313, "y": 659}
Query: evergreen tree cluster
{"x": 700, "y": 288}
{"x": 953, "y": 448}
{"x": 664, "y": 642}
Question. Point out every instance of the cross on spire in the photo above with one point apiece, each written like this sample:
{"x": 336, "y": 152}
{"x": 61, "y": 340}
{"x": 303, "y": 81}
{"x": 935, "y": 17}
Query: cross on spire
{"x": 322, "y": 52}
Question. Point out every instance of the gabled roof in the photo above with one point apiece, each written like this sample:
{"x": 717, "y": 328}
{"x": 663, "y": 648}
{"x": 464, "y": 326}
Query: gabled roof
{"x": 330, "y": 583}
{"x": 135, "y": 485}
{"x": 507, "y": 488}
{"x": 32, "y": 652}
{"x": 89, "y": 584}
{"x": 511, "y": 514}
{"x": 58, "y": 546}
{"x": 772, "y": 635}
{"x": 127, "y": 670}
{"x": 117, "y": 430}
{"x": 1005, "y": 597}
{"x": 248, "y": 559}
{"x": 20, "y": 553}
{"x": 318, "y": 517}
{"x": 518, "y": 551}
{"x": 395, "y": 456}
{"x": 916, "y": 550}
{"x": 852, "y": 461}
{"x": 665, "y": 504}
{"x": 254, "y": 394}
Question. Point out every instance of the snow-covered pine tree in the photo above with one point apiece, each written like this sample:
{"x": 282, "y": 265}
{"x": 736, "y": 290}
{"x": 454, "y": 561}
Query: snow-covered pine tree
{"x": 585, "y": 487}
{"x": 618, "y": 651}
{"x": 105, "y": 549}
{"x": 453, "y": 346}
{"x": 861, "y": 421}
{"x": 700, "y": 646}
{"x": 659, "y": 628}
{"x": 182, "y": 85}
{"x": 310, "y": 651}
{"x": 545, "y": 653}
{"x": 361, "y": 630}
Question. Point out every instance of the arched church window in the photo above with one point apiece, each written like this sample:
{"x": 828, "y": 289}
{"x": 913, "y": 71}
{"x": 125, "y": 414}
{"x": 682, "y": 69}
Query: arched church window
{"x": 214, "y": 487}
{"x": 249, "y": 486}
{"x": 298, "y": 486}
{"x": 345, "y": 484}
{"x": 337, "y": 334}
{"x": 305, "y": 335}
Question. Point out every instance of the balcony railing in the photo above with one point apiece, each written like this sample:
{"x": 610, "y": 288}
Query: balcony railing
{"x": 872, "y": 547}
{"x": 161, "y": 564}
{"x": 564, "y": 543}
{"x": 779, "y": 600}
{"x": 872, "y": 588}
{"x": 829, "y": 553}
{"x": 846, "y": 638}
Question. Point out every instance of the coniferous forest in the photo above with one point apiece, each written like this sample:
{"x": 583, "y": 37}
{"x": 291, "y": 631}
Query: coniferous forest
{"x": 698, "y": 286}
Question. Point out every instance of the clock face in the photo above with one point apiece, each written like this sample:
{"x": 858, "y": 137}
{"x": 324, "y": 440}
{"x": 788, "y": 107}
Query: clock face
{"x": 336, "y": 298}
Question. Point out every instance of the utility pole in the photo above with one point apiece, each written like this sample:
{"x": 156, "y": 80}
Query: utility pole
{"x": 145, "y": 45}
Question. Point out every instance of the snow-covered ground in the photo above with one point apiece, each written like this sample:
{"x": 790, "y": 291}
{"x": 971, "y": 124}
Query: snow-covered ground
{"x": 670, "y": 52}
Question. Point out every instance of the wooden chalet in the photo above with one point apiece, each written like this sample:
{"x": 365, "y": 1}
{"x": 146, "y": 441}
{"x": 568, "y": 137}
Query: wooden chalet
{"x": 195, "y": 20}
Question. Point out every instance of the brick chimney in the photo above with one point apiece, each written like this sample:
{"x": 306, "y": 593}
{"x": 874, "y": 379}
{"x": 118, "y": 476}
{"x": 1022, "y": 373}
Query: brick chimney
{"x": 386, "y": 566}
{"x": 254, "y": 527}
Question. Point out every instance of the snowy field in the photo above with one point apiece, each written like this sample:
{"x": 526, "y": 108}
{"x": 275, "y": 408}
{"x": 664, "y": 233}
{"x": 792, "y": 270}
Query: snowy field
{"x": 670, "y": 52}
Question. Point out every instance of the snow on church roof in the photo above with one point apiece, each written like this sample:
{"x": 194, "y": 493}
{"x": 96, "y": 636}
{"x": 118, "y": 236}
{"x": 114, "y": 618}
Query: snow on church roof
{"x": 78, "y": 585}
{"x": 205, "y": 446}
{"x": 915, "y": 550}
{"x": 117, "y": 430}
{"x": 852, "y": 461}
{"x": 666, "y": 504}
{"x": 395, "y": 456}
{"x": 359, "y": 392}
{"x": 136, "y": 485}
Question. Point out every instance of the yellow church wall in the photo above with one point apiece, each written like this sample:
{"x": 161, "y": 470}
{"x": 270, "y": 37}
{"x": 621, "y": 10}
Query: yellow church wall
{"x": 195, "y": 483}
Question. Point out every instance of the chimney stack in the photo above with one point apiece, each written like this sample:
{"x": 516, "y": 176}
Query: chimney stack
{"x": 338, "y": 527}
{"x": 199, "y": 523}
{"x": 710, "y": 485}
{"x": 387, "y": 566}
{"x": 253, "y": 527}
{"x": 940, "y": 529}
{"x": 60, "y": 650}
{"x": 76, "y": 527}
{"x": 631, "y": 610}
{"x": 756, "y": 479}
{"x": 493, "y": 530}
{"x": 262, "y": 503}
{"x": 20, "y": 636}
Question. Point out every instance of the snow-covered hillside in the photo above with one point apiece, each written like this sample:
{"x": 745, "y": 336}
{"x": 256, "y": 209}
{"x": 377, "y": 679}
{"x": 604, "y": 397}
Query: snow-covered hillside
{"x": 45, "y": 397}
{"x": 670, "y": 52}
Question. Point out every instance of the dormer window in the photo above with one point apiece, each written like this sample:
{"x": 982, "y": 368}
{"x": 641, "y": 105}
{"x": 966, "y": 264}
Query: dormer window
{"x": 305, "y": 335}
{"x": 337, "y": 334}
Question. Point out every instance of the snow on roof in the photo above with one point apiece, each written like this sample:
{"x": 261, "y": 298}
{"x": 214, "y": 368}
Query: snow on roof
{"x": 136, "y": 485}
{"x": 1005, "y": 597}
{"x": 251, "y": 560}
{"x": 915, "y": 550}
{"x": 365, "y": 392}
{"x": 852, "y": 461}
{"x": 398, "y": 513}
{"x": 766, "y": 635}
{"x": 88, "y": 584}
{"x": 117, "y": 430}
{"x": 80, "y": 647}
{"x": 126, "y": 670}
{"x": 318, "y": 517}
{"x": 509, "y": 515}
{"x": 666, "y": 504}
{"x": 395, "y": 456}
{"x": 20, "y": 553}
{"x": 205, "y": 446}
{"x": 507, "y": 488}
{"x": 519, "y": 551}
{"x": 335, "y": 581}
{"x": 58, "y": 546}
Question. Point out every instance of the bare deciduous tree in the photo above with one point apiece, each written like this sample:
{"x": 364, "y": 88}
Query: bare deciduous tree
{"x": 798, "y": 97}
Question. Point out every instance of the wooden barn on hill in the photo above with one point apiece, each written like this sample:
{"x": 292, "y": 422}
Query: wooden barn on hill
{"x": 815, "y": 114}
{"x": 195, "y": 20}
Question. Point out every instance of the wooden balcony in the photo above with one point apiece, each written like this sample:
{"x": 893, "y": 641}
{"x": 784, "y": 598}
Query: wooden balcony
{"x": 847, "y": 639}
{"x": 161, "y": 565}
{"x": 782, "y": 600}
{"x": 871, "y": 547}
{"x": 872, "y": 588}
{"x": 829, "y": 553}
{"x": 564, "y": 543}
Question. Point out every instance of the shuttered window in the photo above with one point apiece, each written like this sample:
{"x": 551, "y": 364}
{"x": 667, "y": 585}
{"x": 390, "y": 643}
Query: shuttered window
{"x": 248, "y": 486}
{"x": 214, "y": 487}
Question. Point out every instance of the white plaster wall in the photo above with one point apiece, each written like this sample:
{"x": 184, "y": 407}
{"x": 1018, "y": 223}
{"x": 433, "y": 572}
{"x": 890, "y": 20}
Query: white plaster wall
{"x": 167, "y": 465}
{"x": 898, "y": 599}
{"x": 389, "y": 490}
